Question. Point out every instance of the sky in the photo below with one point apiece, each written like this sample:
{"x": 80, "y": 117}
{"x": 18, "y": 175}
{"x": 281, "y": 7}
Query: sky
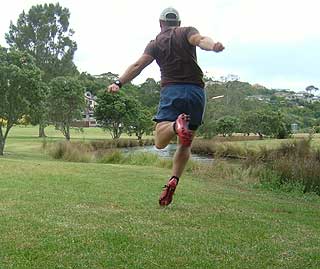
{"x": 274, "y": 43}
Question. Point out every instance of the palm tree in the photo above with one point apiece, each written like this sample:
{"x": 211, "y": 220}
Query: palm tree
{"x": 311, "y": 88}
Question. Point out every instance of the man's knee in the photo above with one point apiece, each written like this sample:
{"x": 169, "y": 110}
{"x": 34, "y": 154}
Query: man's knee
{"x": 159, "y": 146}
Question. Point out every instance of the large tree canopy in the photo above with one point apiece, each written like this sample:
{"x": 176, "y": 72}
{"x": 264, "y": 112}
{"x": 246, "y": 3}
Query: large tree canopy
{"x": 66, "y": 102}
{"x": 116, "y": 112}
{"x": 20, "y": 89}
{"x": 44, "y": 33}
{"x": 141, "y": 124}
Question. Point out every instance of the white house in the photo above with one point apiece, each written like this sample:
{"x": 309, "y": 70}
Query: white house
{"x": 88, "y": 119}
{"x": 87, "y": 114}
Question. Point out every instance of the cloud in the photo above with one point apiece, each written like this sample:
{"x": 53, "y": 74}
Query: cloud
{"x": 266, "y": 41}
{"x": 251, "y": 21}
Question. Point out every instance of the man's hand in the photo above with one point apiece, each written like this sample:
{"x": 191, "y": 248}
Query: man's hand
{"x": 113, "y": 88}
{"x": 217, "y": 47}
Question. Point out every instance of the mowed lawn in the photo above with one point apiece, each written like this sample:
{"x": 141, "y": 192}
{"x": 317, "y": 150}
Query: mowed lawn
{"x": 56, "y": 214}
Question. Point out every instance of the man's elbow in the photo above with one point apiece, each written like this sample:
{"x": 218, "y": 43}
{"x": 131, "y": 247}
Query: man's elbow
{"x": 195, "y": 40}
{"x": 137, "y": 67}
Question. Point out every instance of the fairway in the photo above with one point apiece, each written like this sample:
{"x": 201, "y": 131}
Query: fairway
{"x": 56, "y": 214}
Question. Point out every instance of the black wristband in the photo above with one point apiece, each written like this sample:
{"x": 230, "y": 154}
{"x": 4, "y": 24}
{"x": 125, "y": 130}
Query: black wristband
{"x": 118, "y": 83}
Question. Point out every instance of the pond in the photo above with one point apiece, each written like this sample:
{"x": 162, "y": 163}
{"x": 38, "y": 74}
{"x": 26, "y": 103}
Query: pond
{"x": 167, "y": 152}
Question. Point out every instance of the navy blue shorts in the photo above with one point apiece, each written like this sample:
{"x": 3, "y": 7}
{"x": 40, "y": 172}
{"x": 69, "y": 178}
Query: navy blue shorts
{"x": 182, "y": 98}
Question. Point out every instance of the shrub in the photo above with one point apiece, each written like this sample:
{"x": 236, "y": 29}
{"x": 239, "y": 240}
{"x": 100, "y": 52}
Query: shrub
{"x": 271, "y": 180}
{"x": 73, "y": 152}
{"x": 284, "y": 131}
{"x": 292, "y": 164}
{"x": 227, "y": 125}
{"x": 316, "y": 129}
{"x": 219, "y": 149}
{"x": 138, "y": 158}
{"x": 120, "y": 143}
{"x": 114, "y": 156}
{"x": 142, "y": 158}
{"x": 101, "y": 150}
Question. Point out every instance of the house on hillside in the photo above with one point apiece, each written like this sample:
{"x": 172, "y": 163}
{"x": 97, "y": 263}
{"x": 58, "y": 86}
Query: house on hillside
{"x": 302, "y": 95}
{"x": 258, "y": 86}
{"x": 213, "y": 82}
{"x": 295, "y": 97}
{"x": 262, "y": 98}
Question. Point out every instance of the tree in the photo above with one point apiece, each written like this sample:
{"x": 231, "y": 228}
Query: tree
{"x": 208, "y": 129}
{"x": 311, "y": 88}
{"x": 66, "y": 103}
{"x": 248, "y": 123}
{"x": 91, "y": 83}
{"x": 106, "y": 78}
{"x": 19, "y": 89}
{"x": 141, "y": 124}
{"x": 40, "y": 113}
{"x": 115, "y": 112}
{"x": 149, "y": 93}
{"x": 227, "y": 125}
{"x": 44, "y": 33}
{"x": 266, "y": 122}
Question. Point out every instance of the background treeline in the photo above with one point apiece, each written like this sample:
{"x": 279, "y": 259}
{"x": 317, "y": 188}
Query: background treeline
{"x": 40, "y": 84}
{"x": 244, "y": 108}
{"x": 254, "y": 109}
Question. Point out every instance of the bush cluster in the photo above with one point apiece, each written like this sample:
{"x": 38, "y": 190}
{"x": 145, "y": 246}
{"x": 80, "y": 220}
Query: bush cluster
{"x": 73, "y": 152}
{"x": 292, "y": 164}
{"x": 220, "y": 149}
{"x": 120, "y": 143}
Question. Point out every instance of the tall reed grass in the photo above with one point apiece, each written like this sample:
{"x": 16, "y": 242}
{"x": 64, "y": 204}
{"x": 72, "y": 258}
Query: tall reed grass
{"x": 292, "y": 164}
{"x": 88, "y": 152}
{"x": 73, "y": 152}
{"x": 107, "y": 153}
{"x": 218, "y": 149}
{"x": 120, "y": 143}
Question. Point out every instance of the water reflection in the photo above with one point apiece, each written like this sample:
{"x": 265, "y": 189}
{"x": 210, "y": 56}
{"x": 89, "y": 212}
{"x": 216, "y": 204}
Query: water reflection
{"x": 167, "y": 152}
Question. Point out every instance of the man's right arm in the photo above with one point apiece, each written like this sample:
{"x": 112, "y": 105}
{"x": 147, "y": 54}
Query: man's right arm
{"x": 132, "y": 71}
{"x": 205, "y": 43}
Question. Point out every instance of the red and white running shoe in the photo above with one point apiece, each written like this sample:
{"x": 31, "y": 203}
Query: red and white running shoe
{"x": 168, "y": 191}
{"x": 182, "y": 129}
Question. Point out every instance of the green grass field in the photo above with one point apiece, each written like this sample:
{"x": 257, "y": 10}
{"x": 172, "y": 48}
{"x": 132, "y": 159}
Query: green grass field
{"x": 56, "y": 214}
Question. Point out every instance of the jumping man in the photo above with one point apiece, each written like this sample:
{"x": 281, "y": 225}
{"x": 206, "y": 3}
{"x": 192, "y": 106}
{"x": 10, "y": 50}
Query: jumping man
{"x": 182, "y": 96}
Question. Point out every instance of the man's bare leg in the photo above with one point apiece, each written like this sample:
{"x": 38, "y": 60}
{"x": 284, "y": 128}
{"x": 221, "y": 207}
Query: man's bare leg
{"x": 180, "y": 159}
{"x": 164, "y": 134}
{"x": 165, "y": 131}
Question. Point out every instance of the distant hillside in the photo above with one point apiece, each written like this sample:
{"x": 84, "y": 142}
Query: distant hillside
{"x": 242, "y": 88}
{"x": 240, "y": 98}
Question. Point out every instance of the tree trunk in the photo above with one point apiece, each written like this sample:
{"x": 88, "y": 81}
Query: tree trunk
{"x": 140, "y": 140}
{"x": 41, "y": 130}
{"x": 67, "y": 133}
{"x": 2, "y": 142}
{"x": 3, "y": 137}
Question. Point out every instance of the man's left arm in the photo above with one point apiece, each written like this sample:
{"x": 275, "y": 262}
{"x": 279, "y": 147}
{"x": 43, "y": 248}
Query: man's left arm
{"x": 132, "y": 71}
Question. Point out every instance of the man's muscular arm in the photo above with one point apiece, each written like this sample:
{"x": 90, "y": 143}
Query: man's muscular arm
{"x": 205, "y": 43}
{"x": 132, "y": 71}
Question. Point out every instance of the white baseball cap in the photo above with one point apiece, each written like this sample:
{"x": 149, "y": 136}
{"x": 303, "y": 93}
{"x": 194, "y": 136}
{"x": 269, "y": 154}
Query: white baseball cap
{"x": 169, "y": 14}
